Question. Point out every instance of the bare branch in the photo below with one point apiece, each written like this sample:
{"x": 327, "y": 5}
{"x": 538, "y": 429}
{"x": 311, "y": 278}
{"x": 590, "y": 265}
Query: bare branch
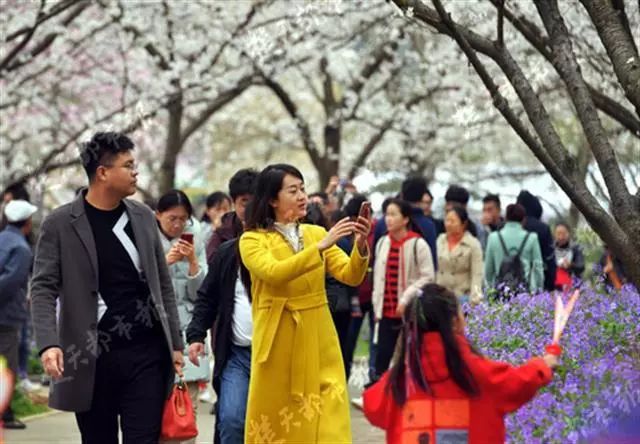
{"x": 151, "y": 49}
{"x": 292, "y": 109}
{"x": 618, "y": 41}
{"x": 369, "y": 147}
{"x": 567, "y": 66}
{"x": 309, "y": 81}
{"x": 534, "y": 36}
{"x": 600, "y": 191}
{"x": 16, "y": 50}
{"x": 9, "y": 64}
{"x": 552, "y": 155}
{"x": 384, "y": 53}
{"x": 501, "y": 24}
{"x": 46, "y": 164}
{"x": 220, "y": 101}
{"x": 41, "y": 18}
{"x": 515, "y": 175}
{"x": 329, "y": 102}
{"x": 236, "y": 32}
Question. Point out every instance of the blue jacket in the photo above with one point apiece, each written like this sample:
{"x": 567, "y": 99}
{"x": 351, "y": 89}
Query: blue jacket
{"x": 15, "y": 265}
{"x": 426, "y": 225}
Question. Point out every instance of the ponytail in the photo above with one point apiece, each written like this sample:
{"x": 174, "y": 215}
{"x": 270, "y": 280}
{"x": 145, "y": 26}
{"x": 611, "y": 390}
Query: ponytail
{"x": 433, "y": 311}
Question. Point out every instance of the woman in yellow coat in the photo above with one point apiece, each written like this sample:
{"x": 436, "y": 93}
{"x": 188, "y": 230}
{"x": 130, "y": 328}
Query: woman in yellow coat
{"x": 297, "y": 390}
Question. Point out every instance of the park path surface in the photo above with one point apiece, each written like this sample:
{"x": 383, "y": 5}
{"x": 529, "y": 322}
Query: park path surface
{"x": 60, "y": 428}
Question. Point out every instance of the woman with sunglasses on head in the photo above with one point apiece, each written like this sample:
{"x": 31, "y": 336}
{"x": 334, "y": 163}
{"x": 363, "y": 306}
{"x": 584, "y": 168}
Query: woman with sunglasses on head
{"x": 297, "y": 390}
{"x": 185, "y": 254}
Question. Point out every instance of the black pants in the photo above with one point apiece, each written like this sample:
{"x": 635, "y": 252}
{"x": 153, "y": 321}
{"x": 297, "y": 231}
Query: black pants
{"x": 341, "y": 321}
{"x": 130, "y": 383}
{"x": 388, "y": 332}
{"x": 9, "y": 340}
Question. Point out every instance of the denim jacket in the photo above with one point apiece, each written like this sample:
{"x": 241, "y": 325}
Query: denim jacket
{"x": 15, "y": 265}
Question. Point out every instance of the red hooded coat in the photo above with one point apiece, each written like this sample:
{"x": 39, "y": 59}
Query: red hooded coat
{"x": 450, "y": 415}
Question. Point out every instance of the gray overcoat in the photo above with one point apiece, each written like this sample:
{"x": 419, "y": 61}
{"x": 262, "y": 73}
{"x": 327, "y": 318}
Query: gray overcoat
{"x": 64, "y": 296}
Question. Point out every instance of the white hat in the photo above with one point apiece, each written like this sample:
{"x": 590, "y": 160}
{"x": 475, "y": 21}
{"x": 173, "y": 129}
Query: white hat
{"x": 19, "y": 210}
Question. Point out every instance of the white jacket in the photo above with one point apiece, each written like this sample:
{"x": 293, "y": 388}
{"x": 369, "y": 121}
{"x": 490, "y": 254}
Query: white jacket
{"x": 416, "y": 264}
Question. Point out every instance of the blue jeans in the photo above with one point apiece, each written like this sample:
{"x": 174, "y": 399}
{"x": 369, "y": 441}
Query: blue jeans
{"x": 234, "y": 388}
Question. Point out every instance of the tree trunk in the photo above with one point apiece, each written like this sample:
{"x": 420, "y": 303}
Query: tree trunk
{"x": 617, "y": 39}
{"x": 621, "y": 232}
{"x": 583, "y": 159}
{"x": 167, "y": 178}
{"x": 332, "y": 146}
{"x": 326, "y": 168}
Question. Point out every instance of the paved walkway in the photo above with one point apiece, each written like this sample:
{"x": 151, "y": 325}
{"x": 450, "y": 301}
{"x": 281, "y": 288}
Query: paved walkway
{"x": 60, "y": 428}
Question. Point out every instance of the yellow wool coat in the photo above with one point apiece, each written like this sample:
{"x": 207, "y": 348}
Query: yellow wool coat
{"x": 297, "y": 391}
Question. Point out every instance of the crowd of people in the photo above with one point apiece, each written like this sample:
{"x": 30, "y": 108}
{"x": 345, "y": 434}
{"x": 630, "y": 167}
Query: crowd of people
{"x": 123, "y": 298}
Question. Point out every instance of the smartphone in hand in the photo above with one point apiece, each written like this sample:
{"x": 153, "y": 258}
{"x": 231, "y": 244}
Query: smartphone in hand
{"x": 365, "y": 210}
{"x": 187, "y": 237}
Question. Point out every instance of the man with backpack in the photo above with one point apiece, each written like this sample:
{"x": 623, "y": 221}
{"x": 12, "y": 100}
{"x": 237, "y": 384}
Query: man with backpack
{"x": 513, "y": 261}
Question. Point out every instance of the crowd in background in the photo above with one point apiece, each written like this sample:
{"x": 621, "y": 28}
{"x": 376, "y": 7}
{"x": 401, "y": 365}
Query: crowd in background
{"x": 504, "y": 251}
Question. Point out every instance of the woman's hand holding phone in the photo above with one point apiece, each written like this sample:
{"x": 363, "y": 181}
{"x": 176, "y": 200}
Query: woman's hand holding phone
{"x": 362, "y": 227}
{"x": 343, "y": 228}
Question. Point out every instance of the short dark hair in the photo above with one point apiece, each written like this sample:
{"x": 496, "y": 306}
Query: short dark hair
{"x": 336, "y": 216}
{"x": 102, "y": 149}
{"x": 457, "y": 194}
{"x": 564, "y": 224}
{"x": 385, "y": 204}
{"x": 242, "y": 182}
{"x": 515, "y": 213}
{"x": 352, "y": 208}
{"x": 216, "y": 198}
{"x": 492, "y": 198}
{"x": 322, "y": 195}
{"x": 428, "y": 193}
{"x": 413, "y": 189}
{"x": 315, "y": 216}
{"x": 18, "y": 191}
{"x": 260, "y": 213}
{"x": 462, "y": 214}
{"x": 406, "y": 210}
{"x": 19, "y": 224}
{"x": 172, "y": 199}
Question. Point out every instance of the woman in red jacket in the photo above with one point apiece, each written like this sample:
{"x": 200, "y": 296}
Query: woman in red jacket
{"x": 440, "y": 389}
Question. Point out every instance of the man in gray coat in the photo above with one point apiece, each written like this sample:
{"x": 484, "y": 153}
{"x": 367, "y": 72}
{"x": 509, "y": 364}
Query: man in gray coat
{"x": 103, "y": 307}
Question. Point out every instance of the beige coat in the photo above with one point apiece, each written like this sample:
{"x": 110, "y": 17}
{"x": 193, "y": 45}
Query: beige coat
{"x": 415, "y": 260}
{"x": 461, "y": 269}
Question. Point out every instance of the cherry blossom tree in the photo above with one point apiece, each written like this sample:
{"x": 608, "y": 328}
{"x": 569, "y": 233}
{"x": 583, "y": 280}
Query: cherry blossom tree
{"x": 565, "y": 40}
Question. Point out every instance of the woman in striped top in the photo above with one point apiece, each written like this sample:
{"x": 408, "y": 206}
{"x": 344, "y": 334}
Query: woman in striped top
{"x": 403, "y": 264}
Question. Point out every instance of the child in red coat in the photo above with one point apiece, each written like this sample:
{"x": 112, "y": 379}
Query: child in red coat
{"x": 440, "y": 390}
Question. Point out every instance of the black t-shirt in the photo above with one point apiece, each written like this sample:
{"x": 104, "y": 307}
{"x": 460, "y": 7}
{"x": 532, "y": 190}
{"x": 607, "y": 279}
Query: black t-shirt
{"x": 129, "y": 315}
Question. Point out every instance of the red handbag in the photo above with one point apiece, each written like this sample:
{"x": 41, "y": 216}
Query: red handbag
{"x": 178, "y": 418}
{"x": 563, "y": 278}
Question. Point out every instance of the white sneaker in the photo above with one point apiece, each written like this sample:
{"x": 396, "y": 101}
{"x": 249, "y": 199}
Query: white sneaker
{"x": 28, "y": 386}
{"x": 206, "y": 396}
{"x": 357, "y": 403}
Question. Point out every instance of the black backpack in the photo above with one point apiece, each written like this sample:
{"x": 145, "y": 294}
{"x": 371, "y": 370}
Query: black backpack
{"x": 511, "y": 275}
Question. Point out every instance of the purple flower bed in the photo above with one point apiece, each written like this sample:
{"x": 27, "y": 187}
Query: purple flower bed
{"x": 599, "y": 378}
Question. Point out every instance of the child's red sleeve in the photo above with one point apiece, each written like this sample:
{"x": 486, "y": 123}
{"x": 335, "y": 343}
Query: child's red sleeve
{"x": 378, "y": 403}
{"x": 511, "y": 387}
